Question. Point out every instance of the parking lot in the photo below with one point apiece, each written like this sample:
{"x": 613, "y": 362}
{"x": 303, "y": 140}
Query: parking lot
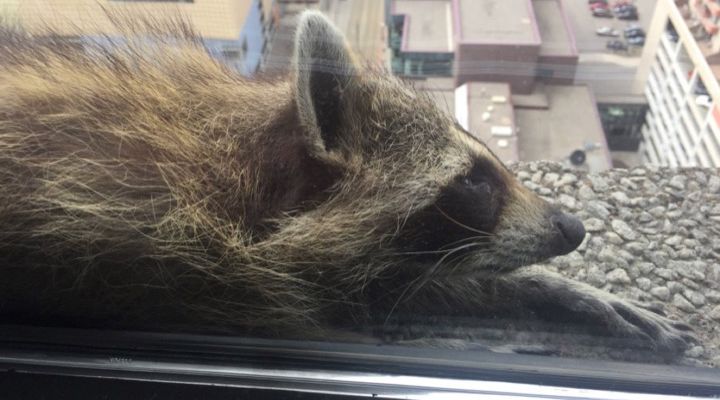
{"x": 584, "y": 24}
{"x": 610, "y": 74}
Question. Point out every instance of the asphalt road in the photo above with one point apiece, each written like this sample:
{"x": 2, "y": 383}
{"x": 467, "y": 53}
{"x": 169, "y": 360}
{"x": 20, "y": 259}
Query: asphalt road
{"x": 608, "y": 74}
{"x": 606, "y": 80}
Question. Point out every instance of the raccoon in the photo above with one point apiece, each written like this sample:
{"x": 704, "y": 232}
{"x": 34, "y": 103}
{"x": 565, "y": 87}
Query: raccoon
{"x": 145, "y": 183}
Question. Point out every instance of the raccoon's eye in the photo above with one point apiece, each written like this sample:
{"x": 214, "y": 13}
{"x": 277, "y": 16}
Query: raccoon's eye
{"x": 479, "y": 185}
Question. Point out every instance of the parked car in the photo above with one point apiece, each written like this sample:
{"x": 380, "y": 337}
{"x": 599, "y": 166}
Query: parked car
{"x": 602, "y": 13}
{"x": 607, "y": 31}
{"x": 595, "y": 6}
{"x": 616, "y": 45}
{"x": 703, "y": 101}
{"x": 633, "y": 31}
{"x": 630, "y": 15}
{"x": 621, "y": 8}
{"x": 597, "y": 1}
{"x": 636, "y": 40}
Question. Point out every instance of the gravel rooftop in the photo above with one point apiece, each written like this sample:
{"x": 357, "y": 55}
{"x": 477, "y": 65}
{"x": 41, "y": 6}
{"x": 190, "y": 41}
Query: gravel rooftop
{"x": 653, "y": 236}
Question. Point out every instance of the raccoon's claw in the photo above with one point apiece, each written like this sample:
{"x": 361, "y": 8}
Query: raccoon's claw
{"x": 657, "y": 308}
{"x": 664, "y": 334}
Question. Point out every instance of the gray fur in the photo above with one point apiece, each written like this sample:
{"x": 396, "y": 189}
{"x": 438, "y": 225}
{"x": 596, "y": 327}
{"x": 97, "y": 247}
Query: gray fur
{"x": 320, "y": 54}
{"x": 147, "y": 184}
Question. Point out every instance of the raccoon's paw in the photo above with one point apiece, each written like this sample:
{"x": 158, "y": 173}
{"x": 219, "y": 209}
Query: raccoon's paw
{"x": 556, "y": 298}
{"x": 647, "y": 323}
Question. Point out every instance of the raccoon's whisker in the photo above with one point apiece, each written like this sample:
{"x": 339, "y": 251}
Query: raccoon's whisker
{"x": 460, "y": 224}
{"x": 424, "y": 278}
{"x": 464, "y": 259}
{"x": 437, "y": 251}
{"x": 472, "y": 258}
{"x": 455, "y": 262}
{"x": 450, "y": 253}
{"x": 466, "y": 240}
{"x": 410, "y": 253}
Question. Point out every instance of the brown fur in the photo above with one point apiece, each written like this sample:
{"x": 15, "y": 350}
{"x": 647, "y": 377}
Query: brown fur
{"x": 143, "y": 182}
{"x": 153, "y": 166}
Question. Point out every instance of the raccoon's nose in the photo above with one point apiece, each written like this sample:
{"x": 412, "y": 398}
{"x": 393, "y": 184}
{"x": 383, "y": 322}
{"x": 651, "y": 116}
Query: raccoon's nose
{"x": 568, "y": 233}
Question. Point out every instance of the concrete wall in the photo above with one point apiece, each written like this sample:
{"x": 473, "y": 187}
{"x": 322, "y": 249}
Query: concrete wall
{"x": 496, "y": 62}
{"x": 652, "y": 41}
{"x": 560, "y": 69}
{"x": 251, "y": 40}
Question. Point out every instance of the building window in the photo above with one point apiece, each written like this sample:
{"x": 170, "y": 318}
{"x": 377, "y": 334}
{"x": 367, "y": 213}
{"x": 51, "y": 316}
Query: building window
{"x": 622, "y": 124}
{"x": 544, "y": 73}
{"x": 360, "y": 207}
{"x": 154, "y": 1}
{"x": 671, "y": 32}
{"x": 231, "y": 53}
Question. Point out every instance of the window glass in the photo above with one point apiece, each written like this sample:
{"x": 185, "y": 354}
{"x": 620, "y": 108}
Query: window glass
{"x": 516, "y": 176}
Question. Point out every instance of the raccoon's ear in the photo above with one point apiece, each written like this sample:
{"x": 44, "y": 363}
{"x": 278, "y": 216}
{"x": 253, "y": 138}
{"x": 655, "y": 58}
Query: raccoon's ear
{"x": 324, "y": 69}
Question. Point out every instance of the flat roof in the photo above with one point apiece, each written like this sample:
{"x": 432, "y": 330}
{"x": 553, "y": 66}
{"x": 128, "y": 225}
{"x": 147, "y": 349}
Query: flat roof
{"x": 536, "y": 99}
{"x": 428, "y": 25}
{"x": 213, "y": 19}
{"x": 557, "y": 37}
{"x": 495, "y": 21}
{"x": 443, "y": 98}
{"x": 570, "y": 123}
{"x": 441, "y": 91}
{"x": 621, "y": 98}
{"x": 491, "y": 118}
{"x": 434, "y": 83}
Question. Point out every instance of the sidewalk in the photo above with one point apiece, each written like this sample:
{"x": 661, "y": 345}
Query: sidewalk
{"x": 607, "y": 58}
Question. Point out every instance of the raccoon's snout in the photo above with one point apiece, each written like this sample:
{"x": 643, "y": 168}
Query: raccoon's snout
{"x": 568, "y": 233}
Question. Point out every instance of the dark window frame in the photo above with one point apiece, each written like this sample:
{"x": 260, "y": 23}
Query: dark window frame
{"x": 163, "y": 360}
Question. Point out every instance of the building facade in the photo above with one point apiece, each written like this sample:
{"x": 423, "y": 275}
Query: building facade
{"x": 234, "y": 31}
{"x": 520, "y": 42}
{"x": 678, "y": 72}
{"x": 506, "y": 71}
